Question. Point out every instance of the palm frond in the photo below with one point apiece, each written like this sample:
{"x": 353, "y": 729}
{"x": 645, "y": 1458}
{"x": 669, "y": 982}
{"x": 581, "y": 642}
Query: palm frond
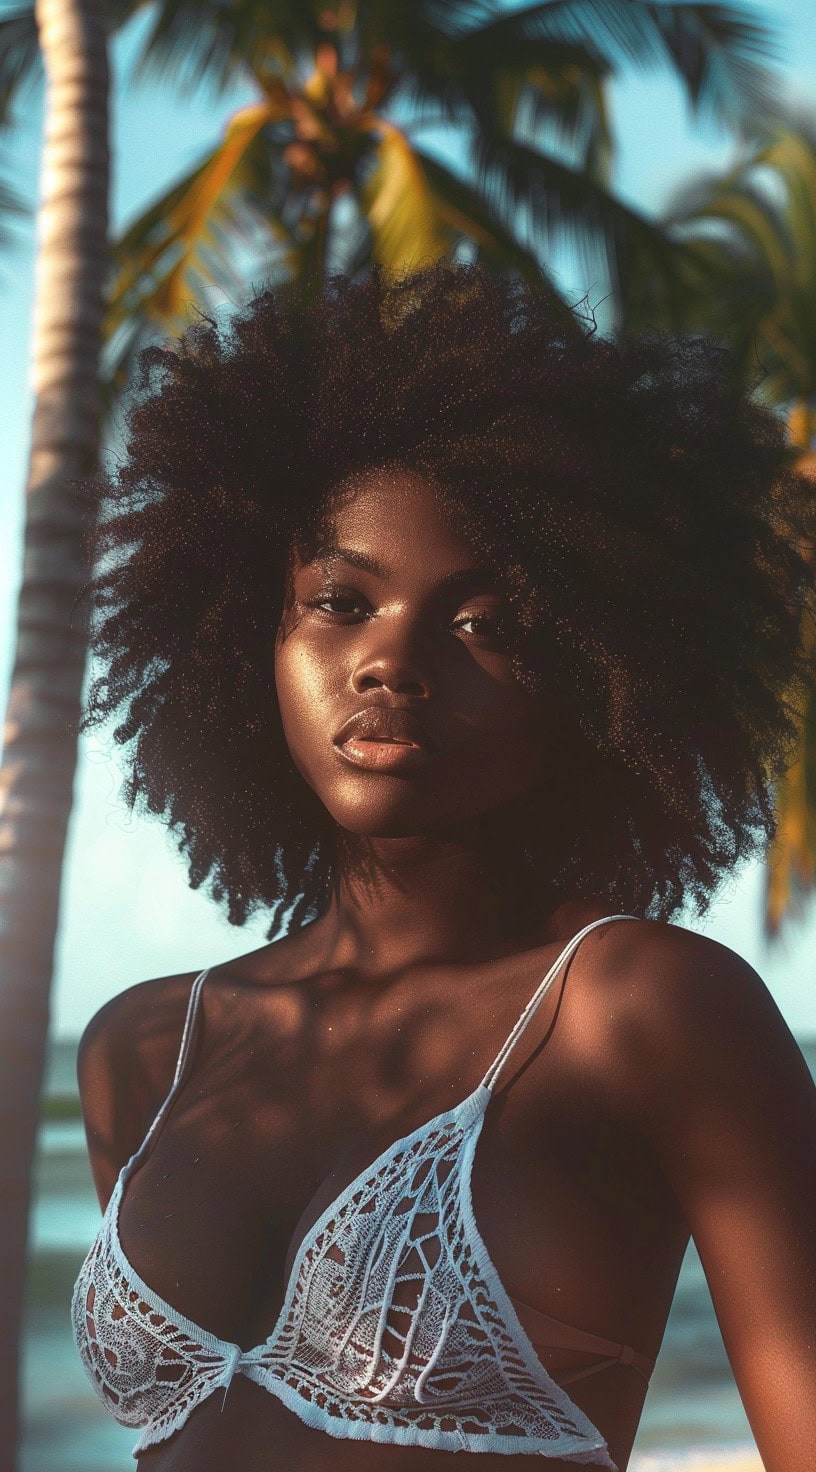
{"x": 554, "y": 87}
{"x": 744, "y": 209}
{"x": 599, "y": 143}
{"x": 721, "y": 53}
{"x": 758, "y": 226}
{"x": 792, "y": 158}
{"x": 566, "y": 204}
{"x": 167, "y": 301}
{"x": 398, "y": 205}
{"x": 560, "y": 104}
{"x": 465, "y": 213}
{"x": 193, "y": 40}
{"x": 19, "y": 55}
{"x": 185, "y": 241}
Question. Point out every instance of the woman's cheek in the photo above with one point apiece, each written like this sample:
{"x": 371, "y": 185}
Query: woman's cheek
{"x": 308, "y": 703}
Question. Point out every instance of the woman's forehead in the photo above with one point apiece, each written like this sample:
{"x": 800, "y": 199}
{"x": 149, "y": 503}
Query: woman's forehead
{"x": 386, "y": 513}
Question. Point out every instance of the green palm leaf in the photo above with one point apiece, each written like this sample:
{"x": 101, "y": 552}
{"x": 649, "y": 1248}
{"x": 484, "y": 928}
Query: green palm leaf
{"x": 492, "y": 81}
{"x": 398, "y": 205}
{"x": 19, "y": 55}
{"x": 567, "y": 204}
{"x": 721, "y": 53}
{"x": 742, "y": 209}
{"x": 754, "y": 233}
{"x": 207, "y": 39}
{"x": 759, "y": 222}
{"x": 467, "y": 216}
{"x": 185, "y": 242}
{"x": 542, "y": 67}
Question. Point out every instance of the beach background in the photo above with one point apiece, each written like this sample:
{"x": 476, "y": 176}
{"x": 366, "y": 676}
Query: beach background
{"x": 127, "y": 912}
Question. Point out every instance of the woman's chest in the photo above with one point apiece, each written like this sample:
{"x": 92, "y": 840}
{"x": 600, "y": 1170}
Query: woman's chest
{"x": 261, "y": 1143}
{"x": 503, "y": 1209}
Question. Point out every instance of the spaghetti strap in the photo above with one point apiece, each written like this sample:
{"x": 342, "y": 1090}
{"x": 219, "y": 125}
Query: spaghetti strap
{"x": 183, "y": 1059}
{"x": 189, "y": 1024}
{"x": 537, "y": 998}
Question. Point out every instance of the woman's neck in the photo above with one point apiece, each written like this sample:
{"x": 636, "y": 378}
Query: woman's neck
{"x": 398, "y": 902}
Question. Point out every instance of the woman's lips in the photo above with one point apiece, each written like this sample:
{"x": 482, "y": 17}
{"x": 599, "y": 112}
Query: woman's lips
{"x": 383, "y": 756}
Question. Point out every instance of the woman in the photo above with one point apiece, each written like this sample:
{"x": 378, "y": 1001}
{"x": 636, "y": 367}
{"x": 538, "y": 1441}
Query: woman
{"x": 469, "y": 638}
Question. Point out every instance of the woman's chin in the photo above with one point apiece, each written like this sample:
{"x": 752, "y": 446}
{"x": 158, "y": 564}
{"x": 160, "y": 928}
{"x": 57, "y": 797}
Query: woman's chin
{"x": 382, "y": 825}
{"x": 409, "y": 819}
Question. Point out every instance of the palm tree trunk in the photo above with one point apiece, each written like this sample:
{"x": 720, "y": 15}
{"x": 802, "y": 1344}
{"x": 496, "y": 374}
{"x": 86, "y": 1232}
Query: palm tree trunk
{"x": 40, "y": 735}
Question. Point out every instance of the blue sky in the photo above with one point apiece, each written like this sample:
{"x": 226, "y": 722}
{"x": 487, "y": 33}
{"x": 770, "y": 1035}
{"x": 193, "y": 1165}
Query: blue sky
{"x": 126, "y": 910}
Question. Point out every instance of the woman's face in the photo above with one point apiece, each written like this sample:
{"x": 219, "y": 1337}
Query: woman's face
{"x": 416, "y": 629}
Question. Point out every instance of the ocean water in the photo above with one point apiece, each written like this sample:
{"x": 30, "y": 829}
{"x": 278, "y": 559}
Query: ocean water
{"x": 693, "y": 1413}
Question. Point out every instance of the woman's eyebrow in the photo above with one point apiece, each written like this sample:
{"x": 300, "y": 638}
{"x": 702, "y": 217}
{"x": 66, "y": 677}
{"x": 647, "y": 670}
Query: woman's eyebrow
{"x": 464, "y": 577}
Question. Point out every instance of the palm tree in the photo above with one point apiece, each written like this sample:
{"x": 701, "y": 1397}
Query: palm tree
{"x": 526, "y": 90}
{"x": 327, "y": 135}
{"x": 36, "y": 778}
{"x": 748, "y": 245}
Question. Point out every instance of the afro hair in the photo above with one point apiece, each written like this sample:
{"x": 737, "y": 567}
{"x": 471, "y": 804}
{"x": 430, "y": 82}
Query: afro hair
{"x": 640, "y": 505}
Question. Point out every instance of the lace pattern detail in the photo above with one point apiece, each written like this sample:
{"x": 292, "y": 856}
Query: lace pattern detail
{"x": 396, "y": 1327}
{"x": 149, "y": 1366}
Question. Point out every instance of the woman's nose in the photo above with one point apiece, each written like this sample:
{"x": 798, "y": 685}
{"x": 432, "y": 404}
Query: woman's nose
{"x": 392, "y": 673}
{"x": 396, "y": 661}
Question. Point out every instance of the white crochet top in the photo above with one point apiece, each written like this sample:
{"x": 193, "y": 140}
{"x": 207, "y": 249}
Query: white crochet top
{"x": 448, "y": 1367}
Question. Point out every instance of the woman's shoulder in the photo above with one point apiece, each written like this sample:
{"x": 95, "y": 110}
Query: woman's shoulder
{"x": 141, "y": 1027}
{"x": 129, "y": 1050}
{"x": 126, "y": 1062}
{"x": 687, "y": 1020}
{"x": 128, "y": 1054}
{"x": 662, "y": 979}
{"x": 671, "y": 976}
{"x": 137, "y": 1026}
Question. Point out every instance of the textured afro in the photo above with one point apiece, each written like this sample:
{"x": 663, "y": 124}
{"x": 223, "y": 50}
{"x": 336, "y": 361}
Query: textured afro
{"x": 639, "y": 505}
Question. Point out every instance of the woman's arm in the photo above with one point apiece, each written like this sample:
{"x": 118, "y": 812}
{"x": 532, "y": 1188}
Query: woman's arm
{"x": 726, "y": 1099}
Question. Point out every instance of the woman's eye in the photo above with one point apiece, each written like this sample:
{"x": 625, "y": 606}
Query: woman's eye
{"x": 490, "y": 625}
{"x": 331, "y": 597}
{"x": 345, "y": 604}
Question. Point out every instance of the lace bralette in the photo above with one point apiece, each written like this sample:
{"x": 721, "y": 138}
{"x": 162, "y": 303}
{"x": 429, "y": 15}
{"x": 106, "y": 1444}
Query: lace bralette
{"x": 394, "y": 1328}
